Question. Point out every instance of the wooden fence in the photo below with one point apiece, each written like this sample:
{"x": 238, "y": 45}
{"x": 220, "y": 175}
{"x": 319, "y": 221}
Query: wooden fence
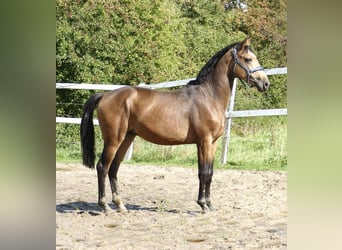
{"x": 229, "y": 114}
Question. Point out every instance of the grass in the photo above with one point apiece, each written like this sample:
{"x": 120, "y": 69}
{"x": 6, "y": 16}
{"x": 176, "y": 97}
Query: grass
{"x": 257, "y": 145}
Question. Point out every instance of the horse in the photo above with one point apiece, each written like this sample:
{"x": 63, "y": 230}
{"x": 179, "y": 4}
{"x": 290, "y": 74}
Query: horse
{"x": 192, "y": 114}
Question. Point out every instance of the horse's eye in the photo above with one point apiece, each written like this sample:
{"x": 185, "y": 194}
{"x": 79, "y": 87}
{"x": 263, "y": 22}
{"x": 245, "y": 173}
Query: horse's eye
{"x": 247, "y": 60}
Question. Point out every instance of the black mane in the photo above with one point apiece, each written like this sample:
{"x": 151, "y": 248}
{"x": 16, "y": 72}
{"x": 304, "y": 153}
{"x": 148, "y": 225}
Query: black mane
{"x": 210, "y": 66}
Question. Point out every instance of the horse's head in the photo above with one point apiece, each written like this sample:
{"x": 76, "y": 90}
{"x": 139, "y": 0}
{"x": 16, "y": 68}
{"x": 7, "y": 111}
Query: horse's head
{"x": 247, "y": 67}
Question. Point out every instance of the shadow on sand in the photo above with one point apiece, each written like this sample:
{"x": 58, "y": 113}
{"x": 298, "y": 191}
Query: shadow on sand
{"x": 94, "y": 209}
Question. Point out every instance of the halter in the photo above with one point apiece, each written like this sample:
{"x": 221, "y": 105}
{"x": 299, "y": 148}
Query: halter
{"x": 248, "y": 71}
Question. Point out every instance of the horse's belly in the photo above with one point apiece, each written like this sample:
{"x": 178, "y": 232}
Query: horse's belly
{"x": 165, "y": 134}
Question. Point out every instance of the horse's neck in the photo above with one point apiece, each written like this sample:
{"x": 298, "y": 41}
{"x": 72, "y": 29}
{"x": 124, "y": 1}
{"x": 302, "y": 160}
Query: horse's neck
{"x": 221, "y": 83}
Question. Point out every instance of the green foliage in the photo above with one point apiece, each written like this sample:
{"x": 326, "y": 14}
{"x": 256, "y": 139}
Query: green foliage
{"x": 265, "y": 22}
{"x": 122, "y": 42}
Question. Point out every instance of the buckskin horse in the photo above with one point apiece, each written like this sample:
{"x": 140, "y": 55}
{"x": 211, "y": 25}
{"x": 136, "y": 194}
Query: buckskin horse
{"x": 193, "y": 114}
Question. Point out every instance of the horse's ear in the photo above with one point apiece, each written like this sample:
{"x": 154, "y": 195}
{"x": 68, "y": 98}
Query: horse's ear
{"x": 245, "y": 45}
{"x": 247, "y": 41}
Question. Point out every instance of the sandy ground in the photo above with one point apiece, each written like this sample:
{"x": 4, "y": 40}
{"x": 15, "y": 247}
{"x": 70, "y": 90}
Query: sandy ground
{"x": 251, "y": 210}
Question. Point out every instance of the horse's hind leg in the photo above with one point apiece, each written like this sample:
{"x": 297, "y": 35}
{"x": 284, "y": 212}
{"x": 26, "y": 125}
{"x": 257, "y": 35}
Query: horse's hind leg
{"x": 120, "y": 154}
{"x": 102, "y": 168}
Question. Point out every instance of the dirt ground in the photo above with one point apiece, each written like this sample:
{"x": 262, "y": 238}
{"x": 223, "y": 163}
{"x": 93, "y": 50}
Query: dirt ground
{"x": 251, "y": 210}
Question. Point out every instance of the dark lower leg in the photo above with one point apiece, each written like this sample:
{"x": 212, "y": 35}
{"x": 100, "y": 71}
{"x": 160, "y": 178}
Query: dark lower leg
{"x": 201, "y": 200}
{"x": 201, "y": 192}
{"x": 207, "y": 195}
{"x": 207, "y": 186}
{"x": 206, "y": 152}
{"x": 205, "y": 176}
{"x": 101, "y": 176}
{"x": 114, "y": 170}
{"x": 114, "y": 186}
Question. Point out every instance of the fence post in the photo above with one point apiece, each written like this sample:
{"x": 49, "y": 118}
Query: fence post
{"x": 228, "y": 124}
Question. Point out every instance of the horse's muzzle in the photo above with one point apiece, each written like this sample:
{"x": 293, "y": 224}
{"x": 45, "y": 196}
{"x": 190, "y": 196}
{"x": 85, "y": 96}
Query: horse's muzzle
{"x": 261, "y": 84}
{"x": 266, "y": 85}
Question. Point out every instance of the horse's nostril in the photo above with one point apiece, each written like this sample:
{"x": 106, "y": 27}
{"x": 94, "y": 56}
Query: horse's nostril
{"x": 266, "y": 84}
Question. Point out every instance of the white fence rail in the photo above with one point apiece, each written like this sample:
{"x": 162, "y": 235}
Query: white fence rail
{"x": 229, "y": 114}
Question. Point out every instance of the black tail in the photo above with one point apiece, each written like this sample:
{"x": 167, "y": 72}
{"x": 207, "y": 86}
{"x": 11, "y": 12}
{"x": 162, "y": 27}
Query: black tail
{"x": 87, "y": 130}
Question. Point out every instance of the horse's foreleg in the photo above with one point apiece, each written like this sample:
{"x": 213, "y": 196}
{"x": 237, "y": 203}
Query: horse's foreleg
{"x": 206, "y": 152}
{"x": 207, "y": 187}
{"x": 114, "y": 170}
{"x": 201, "y": 201}
{"x": 211, "y": 172}
{"x": 205, "y": 174}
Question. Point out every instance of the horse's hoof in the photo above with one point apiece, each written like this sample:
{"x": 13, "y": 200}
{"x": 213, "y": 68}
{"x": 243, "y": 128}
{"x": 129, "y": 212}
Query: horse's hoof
{"x": 205, "y": 209}
{"x": 106, "y": 208}
{"x": 122, "y": 209}
{"x": 203, "y": 205}
{"x": 211, "y": 208}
